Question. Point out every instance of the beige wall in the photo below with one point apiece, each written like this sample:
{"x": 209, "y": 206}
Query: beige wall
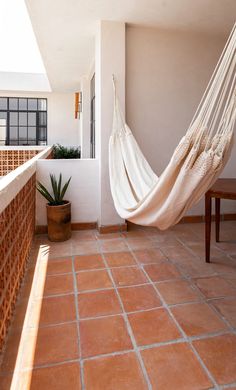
{"x": 63, "y": 128}
{"x": 166, "y": 75}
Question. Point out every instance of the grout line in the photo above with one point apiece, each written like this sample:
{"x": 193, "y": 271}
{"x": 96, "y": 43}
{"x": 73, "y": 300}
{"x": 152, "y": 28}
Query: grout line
{"x": 129, "y": 329}
{"x": 121, "y": 314}
{"x": 210, "y": 376}
{"x": 140, "y": 348}
{"x": 228, "y": 386}
{"x": 77, "y": 325}
{"x": 124, "y": 314}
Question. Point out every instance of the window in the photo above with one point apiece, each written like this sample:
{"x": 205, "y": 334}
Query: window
{"x": 23, "y": 121}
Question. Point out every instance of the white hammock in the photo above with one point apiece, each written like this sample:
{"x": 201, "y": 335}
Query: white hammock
{"x": 146, "y": 199}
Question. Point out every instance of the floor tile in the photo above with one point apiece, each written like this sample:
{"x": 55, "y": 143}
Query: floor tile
{"x": 52, "y": 344}
{"x": 59, "y": 266}
{"x": 218, "y": 354}
{"x": 177, "y": 291}
{"x": 203, "y": 304}
{"x": 195, "y": 268}
{"x": 113, "y": 373}
{"x": 199, "y": 250}
{"x": 52, "y": 310}
{"x": 59, "y": 249}
{"x": 6, "y": 382}
{"x": 104, "y": 335}
{"x": 176, "y": 251}
{"x": 22, "y": 307}
{"x": 135, "y": 234}
{"x": 10, "y": 356}
{"x": 84, "y": 235}
{"x": 85, "y": 262}
{"x": 139, "y": 298}
{"x": 93, "y": 280}
{"x": 153, "y": 326}
{"x": 84, "y": 247}
{"x": 140, "y": 243}
{"x": 227, "y": 308}
{"x": 158, "y": 272}
{"x": 57, "y": 284}
{"x": 98, "y": 303}
{"x": 59, "y": 377}
{"x": 147, "y": 256}
{"x": 216, "y": 286}
{"x": 113, "y": 245}
{"x": 174, "y": 367}
{"x": 118, "y": 259}
{"x": 223, "y": 265}
{"x": 197, "y": 319}
{"x": 128, "y": 276}
{"x": 108, "y": 236}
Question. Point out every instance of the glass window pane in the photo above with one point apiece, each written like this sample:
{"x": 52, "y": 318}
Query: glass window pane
{"x": 32, "y": 104}
{"x": 3, "y": 115}
{"x": 42, "y": 118}
{"x": 42, "y": 134}
{"x": 13, "y": 104}
{"x": 22, "y": 118}
{"x": 22, "y": 133}
{"x": 3, "y": 135}
{"x": 3, "y": 118}
{"x": 42, "y": 104}
{"x": 3, "y": 103}
{"x": 13, "y": 118}
{"x": 13, "y": 142}
{"x": 13, "y": 133}
{"x": 31, "y": 133}
{"x": 32, "y": 119}
{"x": 22, "y": 104}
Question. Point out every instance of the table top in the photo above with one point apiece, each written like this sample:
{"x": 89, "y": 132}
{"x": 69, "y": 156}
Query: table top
{"x": 223, "y": 188}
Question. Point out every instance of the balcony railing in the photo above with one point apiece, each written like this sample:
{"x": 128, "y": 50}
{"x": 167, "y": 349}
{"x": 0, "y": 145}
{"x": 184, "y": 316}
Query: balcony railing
{"x": 17, "y": 224}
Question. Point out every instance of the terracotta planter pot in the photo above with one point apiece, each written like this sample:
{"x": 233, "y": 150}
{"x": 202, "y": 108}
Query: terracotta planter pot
{"x": 59, "y": 222}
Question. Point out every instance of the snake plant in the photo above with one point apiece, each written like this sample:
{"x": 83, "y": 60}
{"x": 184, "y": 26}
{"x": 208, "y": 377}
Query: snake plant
{"x": 58, "y": 191}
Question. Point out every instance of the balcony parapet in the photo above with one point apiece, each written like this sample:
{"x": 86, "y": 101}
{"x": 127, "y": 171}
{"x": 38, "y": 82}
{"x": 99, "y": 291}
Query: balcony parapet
{"x": 17, "y": 227}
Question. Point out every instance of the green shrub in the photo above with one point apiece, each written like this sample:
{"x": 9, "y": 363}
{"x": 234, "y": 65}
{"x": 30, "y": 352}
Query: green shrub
{"x": 60, "y": 152}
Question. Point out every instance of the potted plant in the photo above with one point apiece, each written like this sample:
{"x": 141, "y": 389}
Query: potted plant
{"x": 58, "y": 209}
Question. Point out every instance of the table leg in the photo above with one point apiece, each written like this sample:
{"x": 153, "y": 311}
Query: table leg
{"x": 217, "y": 210}
{"x": 207, "y": 227}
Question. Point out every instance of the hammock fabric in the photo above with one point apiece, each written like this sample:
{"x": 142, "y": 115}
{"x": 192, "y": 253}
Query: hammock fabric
{"x": 142, "y": 197}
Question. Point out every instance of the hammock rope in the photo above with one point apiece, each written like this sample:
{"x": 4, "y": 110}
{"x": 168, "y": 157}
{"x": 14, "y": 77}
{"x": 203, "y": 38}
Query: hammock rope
{"x": 144, "y": 198}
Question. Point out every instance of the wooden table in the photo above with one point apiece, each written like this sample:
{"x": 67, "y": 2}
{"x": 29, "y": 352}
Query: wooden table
{"x": 222, "y": 189}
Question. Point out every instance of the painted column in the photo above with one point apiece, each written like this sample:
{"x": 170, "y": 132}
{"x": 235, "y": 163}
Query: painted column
{"x": 109, "y": 59}
{"x": 85, "y": 118}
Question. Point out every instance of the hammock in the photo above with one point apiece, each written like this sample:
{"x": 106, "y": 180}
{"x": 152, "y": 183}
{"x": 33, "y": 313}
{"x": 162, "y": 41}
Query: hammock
{"x": 142, "y": 197}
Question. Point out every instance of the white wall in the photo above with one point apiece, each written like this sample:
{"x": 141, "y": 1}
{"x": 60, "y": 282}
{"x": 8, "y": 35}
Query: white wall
{"x": 109, "y": 59}
{"x": 24, "y": 81}
{"x": 166, "y": 75}
{"x": 62, "y": 126}
{"x": 82, "y": 191}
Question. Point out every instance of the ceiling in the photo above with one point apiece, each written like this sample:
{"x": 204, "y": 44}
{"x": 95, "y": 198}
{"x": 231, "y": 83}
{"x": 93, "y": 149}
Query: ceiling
{"x": 65, "y": 29}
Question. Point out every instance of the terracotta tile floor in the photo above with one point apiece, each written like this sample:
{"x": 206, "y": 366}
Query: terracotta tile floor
{"x": 138, "y": 310}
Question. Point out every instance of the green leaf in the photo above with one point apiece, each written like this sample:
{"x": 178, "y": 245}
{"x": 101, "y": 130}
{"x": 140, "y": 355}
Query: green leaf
{"x": 44, "y": 192}
{"x": 59, "y": 186}
{"x": 64, "y": 189}
{"x": 57, "y": 189}
{"x": 54, "y": 186}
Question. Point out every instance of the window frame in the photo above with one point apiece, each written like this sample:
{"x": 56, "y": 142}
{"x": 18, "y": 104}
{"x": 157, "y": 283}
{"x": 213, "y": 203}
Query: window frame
{"x": 38, "y": 126}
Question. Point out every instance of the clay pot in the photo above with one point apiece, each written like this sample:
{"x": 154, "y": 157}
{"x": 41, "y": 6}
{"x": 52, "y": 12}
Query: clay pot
{"x": 59, "y": 222}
